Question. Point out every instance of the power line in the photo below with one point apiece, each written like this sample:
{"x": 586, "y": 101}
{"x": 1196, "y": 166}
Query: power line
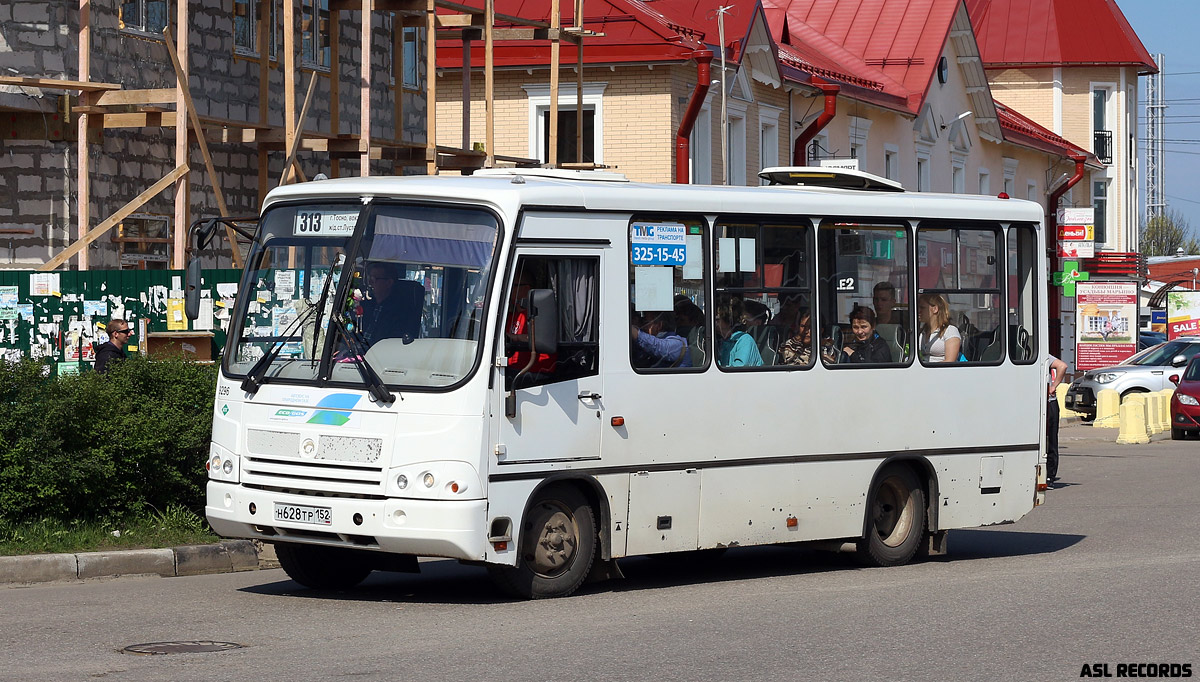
{"x": 1190, "y": 201}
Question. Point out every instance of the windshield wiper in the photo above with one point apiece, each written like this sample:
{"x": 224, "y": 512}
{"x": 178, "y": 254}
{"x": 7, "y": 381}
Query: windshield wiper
{"x": 375, "y": 385}
{"x": 257, "y": 376}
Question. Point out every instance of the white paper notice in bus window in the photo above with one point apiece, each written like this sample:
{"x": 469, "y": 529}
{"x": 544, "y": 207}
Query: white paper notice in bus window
{"x": 694, "y": 267}
{"x": 285, "y": 284}
{"x": 652, "y": 288}
{"x": 746, "y": 254}
{"x": 726, "y": 254}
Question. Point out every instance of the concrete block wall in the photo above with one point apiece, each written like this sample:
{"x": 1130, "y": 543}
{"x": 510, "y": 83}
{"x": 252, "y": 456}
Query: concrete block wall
{"x": 38, "y": 208}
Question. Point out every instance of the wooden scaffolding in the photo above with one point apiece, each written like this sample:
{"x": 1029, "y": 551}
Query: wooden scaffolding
{"x": 104, "y": 106}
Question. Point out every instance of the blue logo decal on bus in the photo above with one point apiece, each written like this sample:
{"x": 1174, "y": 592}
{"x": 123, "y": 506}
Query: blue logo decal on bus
{"x": 339, "y": 415}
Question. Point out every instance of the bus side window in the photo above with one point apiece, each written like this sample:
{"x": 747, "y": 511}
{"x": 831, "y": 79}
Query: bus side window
{"x": 1022, "y": 293}
{"x": 864, "y": 293}
{"x": 668, "y": 307}
{"x": 763, "y": 316}
{"x": 959, "y": 280}
{"x": 575, "y": 283}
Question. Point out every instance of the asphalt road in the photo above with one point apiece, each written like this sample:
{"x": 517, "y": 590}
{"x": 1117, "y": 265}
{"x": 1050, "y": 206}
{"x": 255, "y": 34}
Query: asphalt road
{"x": 1107, "y": 572}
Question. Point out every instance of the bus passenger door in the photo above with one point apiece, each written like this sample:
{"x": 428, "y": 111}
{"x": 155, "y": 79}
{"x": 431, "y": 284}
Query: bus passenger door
{"x": 559, "y": 396}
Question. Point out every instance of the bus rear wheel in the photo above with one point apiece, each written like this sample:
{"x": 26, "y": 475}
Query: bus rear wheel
{"x": 557, "y": 546}
{"x": 322, "y": 568}
{"x": 896, "y": 523}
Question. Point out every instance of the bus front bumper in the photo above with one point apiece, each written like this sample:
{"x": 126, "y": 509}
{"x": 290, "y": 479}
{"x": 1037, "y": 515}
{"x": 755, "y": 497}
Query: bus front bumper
{"x": 440, "y": 528}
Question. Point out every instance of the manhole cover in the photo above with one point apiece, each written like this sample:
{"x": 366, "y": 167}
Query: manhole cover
{"x": 195, "y": 647}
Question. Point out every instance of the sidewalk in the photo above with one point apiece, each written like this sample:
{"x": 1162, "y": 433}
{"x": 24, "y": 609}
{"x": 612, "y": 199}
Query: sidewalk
{"x": 222, "y": 557}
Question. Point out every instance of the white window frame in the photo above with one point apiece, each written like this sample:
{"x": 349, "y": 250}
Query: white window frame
{"x": 891, "y": 161}
{"x": 736, "y": 143}
{"x": 1031, "y": 191}
{"x": 859, "y": 128}
{"x": 958, "y": 173}
{"x": 139, "y": 27}
{"x": 1010, "y": 175}
{"x": 924, "y": 172}
{"x": 985, "y": 181}
{"x": 768, "y": 137}
{"x": 539, "y": 103}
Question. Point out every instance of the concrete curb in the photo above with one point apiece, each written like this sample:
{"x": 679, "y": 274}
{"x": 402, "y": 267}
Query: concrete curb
{"x": 223, "y": 557}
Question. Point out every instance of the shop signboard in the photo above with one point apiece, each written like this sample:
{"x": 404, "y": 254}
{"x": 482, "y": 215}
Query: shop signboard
{"x": 1105, "y": 324}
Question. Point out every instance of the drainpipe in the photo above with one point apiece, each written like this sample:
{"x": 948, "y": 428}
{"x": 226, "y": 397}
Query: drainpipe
{"x": 1055, "y": 303}
{"x": 800, "y": 149}
{"x": 683, "y": 151}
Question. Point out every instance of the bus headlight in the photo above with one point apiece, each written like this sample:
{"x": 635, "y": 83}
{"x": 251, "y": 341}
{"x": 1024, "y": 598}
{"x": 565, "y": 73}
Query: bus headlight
{"x": 428, "y": 480}
{"x": 402, "y": 481}
{"x": 223, "y": 465}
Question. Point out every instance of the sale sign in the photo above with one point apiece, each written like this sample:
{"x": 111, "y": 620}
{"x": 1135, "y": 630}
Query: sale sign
{"x": 1183, "y": 313}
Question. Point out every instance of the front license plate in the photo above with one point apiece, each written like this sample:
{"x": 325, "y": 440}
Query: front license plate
{"x": 299, "y": 513}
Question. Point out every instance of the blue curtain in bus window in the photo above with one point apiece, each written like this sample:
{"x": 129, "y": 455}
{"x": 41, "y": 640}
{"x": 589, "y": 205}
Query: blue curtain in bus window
{"x": 462, "y": 240}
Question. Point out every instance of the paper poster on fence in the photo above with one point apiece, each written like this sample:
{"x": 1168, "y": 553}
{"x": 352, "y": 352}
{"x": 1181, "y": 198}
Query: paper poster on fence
{"x": 176, "y": 321}
{"x": 8, "y": 303}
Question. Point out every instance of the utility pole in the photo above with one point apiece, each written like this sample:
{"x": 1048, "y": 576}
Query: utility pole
{"x": 721, "y": 12}
{"x": 1156, "y": 105}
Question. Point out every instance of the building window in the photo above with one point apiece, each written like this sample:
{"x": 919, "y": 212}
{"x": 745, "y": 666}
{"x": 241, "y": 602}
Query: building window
{"x": 568, "y": 136}
{"x": 315, "y": 34}
{"x": 539, "y": 122}
{"x": 736, "y": 152}
{"x": 859, "y": 128}
{"x": 958, "y": 183}
{"x": 145, "y": 16}
{"x": 412, "y": 65}
{"x": 246, "y": 27}
{"x": 985, "y": 181}
{"x": 1100, "y": 205}
{"x": 1102, "y": 137}
{"x": 768, "y": 142}
{"x": 143, "y": 242}
{"x": 1031, "y": 191}
{"x": 923, "y": 172}
{"x": 891, "y": 162}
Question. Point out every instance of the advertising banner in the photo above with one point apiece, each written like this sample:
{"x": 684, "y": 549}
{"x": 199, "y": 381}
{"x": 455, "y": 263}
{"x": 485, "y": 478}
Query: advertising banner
{"x": 1106, "y": 323}
{"x": 1183, "y": 313}
{"x": 1076, "y": 232}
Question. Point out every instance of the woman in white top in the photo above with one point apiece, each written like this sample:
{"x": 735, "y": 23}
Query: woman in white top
{"x": 939, "y": 340}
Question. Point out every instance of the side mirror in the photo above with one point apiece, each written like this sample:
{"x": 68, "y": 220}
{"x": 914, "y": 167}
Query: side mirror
{"x": 191, "y": 301}
{"x": 1179, "y": 361}
{"x": 1174, "y": 379}
{"x": 543, "y": 309}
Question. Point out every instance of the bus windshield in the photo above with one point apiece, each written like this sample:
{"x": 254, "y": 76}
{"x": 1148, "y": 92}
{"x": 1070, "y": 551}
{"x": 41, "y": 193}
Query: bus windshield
{"x": 413, "y": 310}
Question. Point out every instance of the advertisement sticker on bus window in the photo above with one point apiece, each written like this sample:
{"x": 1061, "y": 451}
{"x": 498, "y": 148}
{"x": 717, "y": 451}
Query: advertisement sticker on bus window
{"x": 653, "y": 288}
{"x": 694, "y": 268}
{"x": 324, "y": 223}
{"x": 658, "y": 244}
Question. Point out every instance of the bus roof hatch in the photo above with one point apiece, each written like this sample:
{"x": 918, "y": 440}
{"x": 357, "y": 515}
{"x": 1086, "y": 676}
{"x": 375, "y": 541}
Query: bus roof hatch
{"x": 843, "y": 178}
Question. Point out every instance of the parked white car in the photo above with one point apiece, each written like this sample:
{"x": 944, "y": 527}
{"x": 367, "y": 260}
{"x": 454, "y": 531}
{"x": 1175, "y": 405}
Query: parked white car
{"x": 1149, "y": 370}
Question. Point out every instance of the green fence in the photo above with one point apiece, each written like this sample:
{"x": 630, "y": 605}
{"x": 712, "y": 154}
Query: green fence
{"x": 58, "y": 316}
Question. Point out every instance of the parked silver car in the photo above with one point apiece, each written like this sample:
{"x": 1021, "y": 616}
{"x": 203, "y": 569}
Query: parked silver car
{"x": 1149, "y": 370}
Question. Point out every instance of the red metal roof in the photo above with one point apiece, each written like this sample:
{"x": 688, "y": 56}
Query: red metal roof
{"x": 1056, "y": 33}
{"x": 633, "y": 33}
{"x": 896, "y": 43}
{"x": 1024, "y": 131}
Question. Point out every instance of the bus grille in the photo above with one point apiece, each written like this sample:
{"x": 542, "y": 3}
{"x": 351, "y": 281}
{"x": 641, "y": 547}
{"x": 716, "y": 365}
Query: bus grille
{"x": 344, "y": 465}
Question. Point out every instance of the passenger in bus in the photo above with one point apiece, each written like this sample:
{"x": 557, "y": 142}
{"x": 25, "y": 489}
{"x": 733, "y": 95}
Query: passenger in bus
{"x": 797, "y": 349}
{"x": 737, "y": 349}
{"x": 867, "y": 345}
{"x": 393, "y": 309}
{"x": 939, "y": 341}
{"x": 689, "y": 319}
{"x": 883, "y": 297}
{"x": 516, "y": 334}
{"x": 657, "y": 343}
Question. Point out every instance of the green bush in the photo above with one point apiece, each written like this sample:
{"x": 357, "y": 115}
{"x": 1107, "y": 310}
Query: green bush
{"x": 108, "y": 446}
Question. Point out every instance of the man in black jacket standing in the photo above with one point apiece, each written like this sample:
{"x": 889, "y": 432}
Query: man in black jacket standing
{"x": 113, "y": 349}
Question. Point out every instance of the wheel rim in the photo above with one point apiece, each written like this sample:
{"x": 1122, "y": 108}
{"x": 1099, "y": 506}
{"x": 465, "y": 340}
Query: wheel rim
{"x": 557, "y": 541}
{"x": 895, "y": 512}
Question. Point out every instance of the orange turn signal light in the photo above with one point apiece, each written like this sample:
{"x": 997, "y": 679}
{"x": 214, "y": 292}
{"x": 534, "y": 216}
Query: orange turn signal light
{"x": 618, "y": 421}
{"x": 792, "y": 522}
{"x": 500, "y": 546}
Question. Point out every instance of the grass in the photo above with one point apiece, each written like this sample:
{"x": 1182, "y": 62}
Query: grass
{"x": 175, "y": 526}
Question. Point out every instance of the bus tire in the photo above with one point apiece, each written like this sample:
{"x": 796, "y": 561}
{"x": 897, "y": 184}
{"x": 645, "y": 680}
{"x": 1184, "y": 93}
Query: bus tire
{"x": 557, "y": 546}
{"x": 322, "y": 568}
{"x": 896, "y": 523}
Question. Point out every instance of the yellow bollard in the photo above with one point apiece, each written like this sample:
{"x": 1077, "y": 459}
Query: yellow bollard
{"x": 1133, "y": 421}
{"x": 1153, "y": 413}
{"x": 1164, "y": 416}
{"x": 1061, "y": 393}
{"x": 1108, "y": 404}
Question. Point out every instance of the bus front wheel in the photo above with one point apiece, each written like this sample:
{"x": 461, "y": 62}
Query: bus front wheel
{"x": 557, "y": 545}
{"x": 896, "y": 523}
{"x": 322, "y": 568}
